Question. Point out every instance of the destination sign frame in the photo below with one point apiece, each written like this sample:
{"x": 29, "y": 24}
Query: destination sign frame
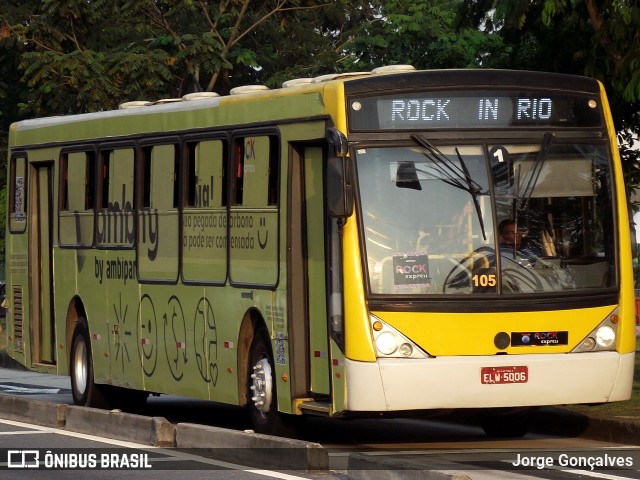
{"x": 474, "y": 109}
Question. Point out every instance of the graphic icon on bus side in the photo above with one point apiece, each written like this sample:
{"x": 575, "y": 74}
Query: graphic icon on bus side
{"x": 175, "y": 340}
{"x": 148, "y": 335}
{"x": 121, "y": 334}
{"x": 263, "y": 224}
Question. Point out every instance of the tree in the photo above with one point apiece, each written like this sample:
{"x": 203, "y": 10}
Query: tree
{"x": 423, "y": 33}
{"x": 88, "y": 56}
{"x": 601, "y": 34}
{"x": 599, "y": 38}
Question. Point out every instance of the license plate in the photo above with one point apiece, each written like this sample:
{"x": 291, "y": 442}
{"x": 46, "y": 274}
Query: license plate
{"x": 494, "y": 375}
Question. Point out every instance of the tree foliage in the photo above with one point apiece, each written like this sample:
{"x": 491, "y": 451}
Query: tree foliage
{"x": 89, "y": 56}
{"x": 424, "y": 34}
{"x": 597, "y": 38}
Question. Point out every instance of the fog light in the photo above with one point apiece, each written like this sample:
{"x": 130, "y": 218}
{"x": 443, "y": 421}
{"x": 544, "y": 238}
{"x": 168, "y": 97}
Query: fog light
{"x": 386, "y": 343}
{"x": 405, "y": 350}
{"x": 605, "y": 336}
{"x": 589, "y": 343}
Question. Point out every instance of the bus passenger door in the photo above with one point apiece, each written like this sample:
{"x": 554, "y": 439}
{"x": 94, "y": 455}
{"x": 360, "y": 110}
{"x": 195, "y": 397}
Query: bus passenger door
{"x": 307, "y": 274}
{"x": 42, "y": 324}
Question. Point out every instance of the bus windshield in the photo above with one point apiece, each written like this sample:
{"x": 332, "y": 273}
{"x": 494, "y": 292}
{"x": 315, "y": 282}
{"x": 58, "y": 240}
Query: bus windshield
{"x": 434, "y": 216}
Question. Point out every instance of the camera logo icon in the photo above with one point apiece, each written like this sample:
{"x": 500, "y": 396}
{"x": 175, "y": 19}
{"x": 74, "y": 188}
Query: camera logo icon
{"x": 23, "y": 459}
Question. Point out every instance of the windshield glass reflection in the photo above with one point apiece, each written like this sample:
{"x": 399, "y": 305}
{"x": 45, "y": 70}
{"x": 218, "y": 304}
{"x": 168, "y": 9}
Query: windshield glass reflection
{"x": 433, "y": 226}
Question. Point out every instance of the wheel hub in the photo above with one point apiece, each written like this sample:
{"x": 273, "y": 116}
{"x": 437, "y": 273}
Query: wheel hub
{"x": 261, "y": 385}
{"x": 80, "y": 367}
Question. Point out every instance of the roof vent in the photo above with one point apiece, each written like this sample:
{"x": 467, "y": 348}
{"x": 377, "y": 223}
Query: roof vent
{"x": 199, "y": 96}
{"x": 248, "y": 89}
{"x": 393, "y": 69}
{"x": 297, "y": 82}
{"x": 163, "y": 101}
{"x": 325, "y": 78}
{"x": 333, "y": 76}
{"x": 134, "y": 104}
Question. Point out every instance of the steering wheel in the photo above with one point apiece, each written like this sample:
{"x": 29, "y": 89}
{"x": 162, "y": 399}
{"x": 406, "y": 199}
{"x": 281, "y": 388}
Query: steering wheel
{"x": 477, "y": 273}
{"x": 462, "y": 274}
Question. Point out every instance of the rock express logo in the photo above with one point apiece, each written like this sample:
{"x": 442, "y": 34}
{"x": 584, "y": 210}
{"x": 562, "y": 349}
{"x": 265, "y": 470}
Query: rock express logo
{"x": 524, "y": 339}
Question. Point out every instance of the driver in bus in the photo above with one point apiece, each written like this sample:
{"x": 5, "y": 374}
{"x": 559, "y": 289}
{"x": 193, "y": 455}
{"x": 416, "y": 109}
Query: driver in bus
{"x": 511, "y": 245}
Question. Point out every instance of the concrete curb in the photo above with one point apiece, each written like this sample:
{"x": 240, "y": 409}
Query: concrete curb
{"x": 252, "y": 449}
{"x": 38, "y": 412}
{"x": 154, "y": 431}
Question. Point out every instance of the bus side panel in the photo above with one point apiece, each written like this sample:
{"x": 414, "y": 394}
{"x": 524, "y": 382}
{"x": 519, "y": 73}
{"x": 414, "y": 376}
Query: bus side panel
{"x": 174, "y": 333}
{"x": 67, "y": 263}
{"x": 93, "y": 291}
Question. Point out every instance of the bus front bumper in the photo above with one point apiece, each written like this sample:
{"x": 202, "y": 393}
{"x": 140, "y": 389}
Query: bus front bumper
{"x": 488, "y": 381}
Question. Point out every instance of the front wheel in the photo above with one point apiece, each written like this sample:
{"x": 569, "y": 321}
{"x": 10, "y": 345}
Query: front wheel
{"x": 261, "y": 390}
{"x": 83, "y": 388}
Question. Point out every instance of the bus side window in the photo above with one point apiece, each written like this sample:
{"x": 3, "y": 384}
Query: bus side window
{"x": 254, "y": 216}
{"x": 116, "y": 197}
{"x": 205, "y": 175}
{"x": 77, "y": 173}
{"x": 204, "y": 226}
{"x": 256, "y": 171}
{"x": 158, "y": 215}
{"x": 162, "y": 177}
{"x": 121, "y": 188}
{"x": 103, "y": 179}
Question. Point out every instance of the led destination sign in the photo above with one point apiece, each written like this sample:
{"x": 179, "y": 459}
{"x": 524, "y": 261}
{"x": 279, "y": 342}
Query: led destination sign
{"x": 480, "y": 109}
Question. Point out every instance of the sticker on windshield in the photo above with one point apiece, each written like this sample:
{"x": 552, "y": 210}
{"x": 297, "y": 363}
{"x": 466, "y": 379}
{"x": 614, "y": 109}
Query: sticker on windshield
{"x": 411, "y": 270}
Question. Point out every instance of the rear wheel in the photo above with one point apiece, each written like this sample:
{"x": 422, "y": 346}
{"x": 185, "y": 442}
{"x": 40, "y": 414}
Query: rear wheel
{"x": 83, "y": 388}
{"x": 261, "y": 390}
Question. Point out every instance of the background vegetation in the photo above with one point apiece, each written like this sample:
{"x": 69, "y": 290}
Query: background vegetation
{"x": 71, "y": 56}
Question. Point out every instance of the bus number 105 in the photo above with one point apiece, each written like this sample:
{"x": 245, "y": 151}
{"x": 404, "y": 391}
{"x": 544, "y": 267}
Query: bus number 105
{"x": 484, "y": 280}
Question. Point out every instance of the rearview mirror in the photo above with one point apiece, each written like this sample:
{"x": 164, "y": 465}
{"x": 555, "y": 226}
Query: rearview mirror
{"x": 407, "y": 176}
{"x": 339, "y": 187}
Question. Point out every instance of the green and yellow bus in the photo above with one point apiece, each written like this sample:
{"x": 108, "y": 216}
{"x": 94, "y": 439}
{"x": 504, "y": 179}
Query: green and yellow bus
{"x": 393, "y": 242}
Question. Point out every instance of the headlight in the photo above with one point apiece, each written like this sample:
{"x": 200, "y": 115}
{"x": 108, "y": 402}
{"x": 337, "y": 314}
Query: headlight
{"x": 389, "y": 342}
{"x": 605, "y": 336}
{"x": 601, "y": 338}
{"x": 386, "y": 343}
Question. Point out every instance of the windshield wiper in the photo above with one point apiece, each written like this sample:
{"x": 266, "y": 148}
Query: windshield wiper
{"x": 534, "y": 175}
{"x": 453, "y": 174}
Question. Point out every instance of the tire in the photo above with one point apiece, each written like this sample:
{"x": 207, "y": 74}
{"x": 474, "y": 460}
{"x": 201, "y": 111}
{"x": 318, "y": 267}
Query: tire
{"x": 83, "y": 388}
{"x": 262, "y": 398}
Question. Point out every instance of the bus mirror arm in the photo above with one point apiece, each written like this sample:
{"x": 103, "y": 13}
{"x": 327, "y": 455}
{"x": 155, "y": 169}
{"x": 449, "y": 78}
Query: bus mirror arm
{"x": 337, "y": 142}
{"x": 339, "y": 185}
